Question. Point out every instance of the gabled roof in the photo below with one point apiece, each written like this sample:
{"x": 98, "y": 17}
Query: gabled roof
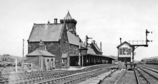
{"x": 73, "y": 39}
{"x": 125, "y": 42}
{"x": 46, "y": 32}
{"x": 68, "y": 16}
{"x": 39, "y": 52}
{"x": 96, "y": 46}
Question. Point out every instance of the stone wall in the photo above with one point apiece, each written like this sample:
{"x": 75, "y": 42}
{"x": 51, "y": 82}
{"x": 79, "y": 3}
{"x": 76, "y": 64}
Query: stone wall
{"x": 57, "y": 48}
{"x": 52, "y": 47}
{"x": 73, "y": 49}
{"x": 32, "y": 46}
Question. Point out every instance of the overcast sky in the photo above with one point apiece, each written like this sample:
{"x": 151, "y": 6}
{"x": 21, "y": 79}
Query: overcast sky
{"x": 103, "y": 20}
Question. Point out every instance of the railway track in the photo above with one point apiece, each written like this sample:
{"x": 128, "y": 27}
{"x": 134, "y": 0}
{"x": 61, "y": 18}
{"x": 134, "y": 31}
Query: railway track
{"x": 66, "y": 77}
{"x": 128, "y": 77}
{"x": 75, "y": 78}
{"x": 150, "y": 66}
{"x": 49, "y": 77}
{"x": 140, "y": 75}
{"x": 136, "y": 76}
{"x": 150, "y": 75}
{"x": 106, "y": 76}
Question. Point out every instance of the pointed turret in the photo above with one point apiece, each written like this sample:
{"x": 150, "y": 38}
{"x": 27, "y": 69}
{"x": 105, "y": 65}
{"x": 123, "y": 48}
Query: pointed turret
{"x": 68, "y": 16}
{"x": 70, "y": 23}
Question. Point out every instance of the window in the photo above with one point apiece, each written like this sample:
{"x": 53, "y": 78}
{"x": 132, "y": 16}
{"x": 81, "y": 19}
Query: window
{"x": 125, "y": 51}
{"x": 121, "y": 51}
{"x": 129, "y": 51}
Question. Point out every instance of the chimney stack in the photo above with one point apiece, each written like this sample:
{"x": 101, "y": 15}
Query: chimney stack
{"x": 120, "y": 40}
{"x": 55, "y": 20}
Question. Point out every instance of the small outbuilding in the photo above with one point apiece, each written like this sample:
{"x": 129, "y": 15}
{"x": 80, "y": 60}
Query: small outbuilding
{"x": 40, "y": 59}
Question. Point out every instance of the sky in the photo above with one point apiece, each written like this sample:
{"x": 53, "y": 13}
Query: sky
{"x": 103, "y": 20}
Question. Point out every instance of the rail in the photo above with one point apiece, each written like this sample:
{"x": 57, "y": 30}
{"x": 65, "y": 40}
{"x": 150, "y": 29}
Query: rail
{"x": 151, "y": 76}
{"x": 101, "y": 81}
{"x": 136, "y": 76}
{"x": 39, "y": 76}
{"x": 156, "y": 77}
{"x": 149, "y": 68}
{"x": 143, "y": 76}
{"x": 120, "y": 77}
{"x": 75, "y": 78}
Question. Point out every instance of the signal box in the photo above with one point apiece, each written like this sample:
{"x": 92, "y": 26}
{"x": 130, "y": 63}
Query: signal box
{"x": 125, "y": 52}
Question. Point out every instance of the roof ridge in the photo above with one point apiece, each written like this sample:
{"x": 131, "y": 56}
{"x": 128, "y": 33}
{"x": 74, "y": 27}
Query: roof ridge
{"x": 124, "y": 43}
{"x": 47, "y": 23}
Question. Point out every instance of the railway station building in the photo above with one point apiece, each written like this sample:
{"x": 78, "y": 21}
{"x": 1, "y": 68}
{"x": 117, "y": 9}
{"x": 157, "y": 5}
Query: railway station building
{"x": 64, "y": 45}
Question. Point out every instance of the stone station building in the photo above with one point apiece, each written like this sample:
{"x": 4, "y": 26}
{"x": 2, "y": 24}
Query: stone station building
{"x": 62, "y": 40}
